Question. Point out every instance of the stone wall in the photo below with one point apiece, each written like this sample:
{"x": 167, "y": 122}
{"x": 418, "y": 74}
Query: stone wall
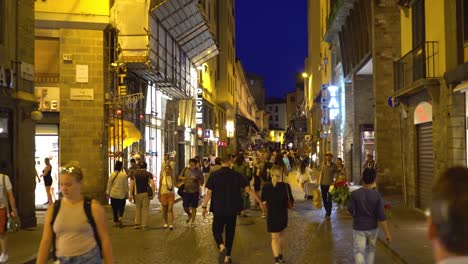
{"x": 349, "y": 130}
{"x": 82, "y": 127}
{"x": 363, "y": 98}
{"x": 386, "y": 49}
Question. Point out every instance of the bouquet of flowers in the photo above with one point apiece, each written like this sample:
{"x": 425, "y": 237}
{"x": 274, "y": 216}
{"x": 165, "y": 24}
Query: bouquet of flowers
{"x": 388, "y": 210}
{"x": 340, "y": 192}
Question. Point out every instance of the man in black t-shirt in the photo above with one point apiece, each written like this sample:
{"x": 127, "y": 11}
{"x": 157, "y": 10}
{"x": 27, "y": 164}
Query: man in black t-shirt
{"x": 224, "y": 189}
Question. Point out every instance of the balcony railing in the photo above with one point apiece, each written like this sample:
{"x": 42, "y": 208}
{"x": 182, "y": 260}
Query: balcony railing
{"x": 420, "y": 63}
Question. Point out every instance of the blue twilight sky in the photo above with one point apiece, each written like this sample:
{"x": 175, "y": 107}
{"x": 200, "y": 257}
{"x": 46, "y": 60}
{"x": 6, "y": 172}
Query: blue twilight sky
{"x": 271, "y": 40}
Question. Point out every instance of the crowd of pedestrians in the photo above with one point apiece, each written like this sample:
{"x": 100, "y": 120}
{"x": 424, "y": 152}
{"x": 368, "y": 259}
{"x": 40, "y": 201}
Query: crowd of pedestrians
{"x": 75, "y": 226}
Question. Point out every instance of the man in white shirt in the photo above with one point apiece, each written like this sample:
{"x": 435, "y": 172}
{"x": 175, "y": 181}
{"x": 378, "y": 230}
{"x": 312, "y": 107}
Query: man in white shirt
{"x": 448, "y": 217}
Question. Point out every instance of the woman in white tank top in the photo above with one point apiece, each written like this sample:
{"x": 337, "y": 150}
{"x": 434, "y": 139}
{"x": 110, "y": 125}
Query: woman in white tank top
{"x": 75, "y": 240}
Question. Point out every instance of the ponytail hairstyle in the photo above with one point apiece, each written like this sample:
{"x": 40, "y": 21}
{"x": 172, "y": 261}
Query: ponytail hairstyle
{"x": 118, "y": 165}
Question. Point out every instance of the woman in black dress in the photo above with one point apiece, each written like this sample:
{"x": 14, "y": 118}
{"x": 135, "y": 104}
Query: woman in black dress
{"x": 47, "y": 176}
{"x": 275, "y": 195}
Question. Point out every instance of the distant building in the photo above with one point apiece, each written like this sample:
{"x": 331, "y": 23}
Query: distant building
{"x": 257, "y": 89}
{"x": 276, "y": 107}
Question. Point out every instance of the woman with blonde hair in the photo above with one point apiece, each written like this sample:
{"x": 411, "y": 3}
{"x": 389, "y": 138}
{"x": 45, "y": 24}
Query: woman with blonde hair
{"x": 166, "y": 195}
{"x": 276, "y": 195}
{"x": 75, "y": 226}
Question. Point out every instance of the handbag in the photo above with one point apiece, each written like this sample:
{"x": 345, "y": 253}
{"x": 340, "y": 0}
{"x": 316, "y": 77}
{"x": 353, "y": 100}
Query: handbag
{"x": 13, "y": 224}
{"x": 288, "y": 194}
{"x": 181, "y": 189}
{"x": 150, "y": 190}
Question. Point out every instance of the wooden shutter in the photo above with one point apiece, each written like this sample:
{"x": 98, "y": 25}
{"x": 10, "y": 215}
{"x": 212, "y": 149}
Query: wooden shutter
{"x": 419, "y": 35}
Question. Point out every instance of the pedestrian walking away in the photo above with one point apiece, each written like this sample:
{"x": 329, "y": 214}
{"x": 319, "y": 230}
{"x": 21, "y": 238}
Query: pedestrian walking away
{"x": 326, "y": 178}
{"x": 224, "y": 189}
{"x": 276, "y": 195}
{"x": 448, "y": 217}
{"x": 241, "y": 166}
{"x": 77, "y": 234}
{"x": 140, "y": 183}
{"x": 166, "y": 195}
{"x": 117, "y": 191}
{"x": 367, "y": 209}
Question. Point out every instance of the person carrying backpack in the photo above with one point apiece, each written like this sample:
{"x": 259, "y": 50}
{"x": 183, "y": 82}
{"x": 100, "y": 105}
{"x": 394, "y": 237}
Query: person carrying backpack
{"x": 75, "y": 226}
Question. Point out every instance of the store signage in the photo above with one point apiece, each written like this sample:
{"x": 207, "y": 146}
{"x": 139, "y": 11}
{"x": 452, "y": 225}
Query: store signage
{"x": 81, "y": 94}
{"x": 6, "y": 77}
{"x": 207, "y": 133}
{"x": 333, "y": 105}
{"x": 27, "y": 71}
{"x": 199, "y": 106}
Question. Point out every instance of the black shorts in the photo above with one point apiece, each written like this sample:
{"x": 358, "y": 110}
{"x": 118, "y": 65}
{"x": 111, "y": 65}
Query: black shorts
{"x": 190, "y": 200}
{"x": 48, "y": 181}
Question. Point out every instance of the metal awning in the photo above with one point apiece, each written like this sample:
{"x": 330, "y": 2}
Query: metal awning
{"x": 186, "y": 24}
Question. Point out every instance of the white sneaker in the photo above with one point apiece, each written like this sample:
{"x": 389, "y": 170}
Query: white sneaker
{"x": 165, "y": 225}
{"x": 3, "y": 258}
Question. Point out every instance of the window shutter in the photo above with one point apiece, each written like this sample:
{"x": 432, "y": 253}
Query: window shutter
{"x": 418, "y": 23}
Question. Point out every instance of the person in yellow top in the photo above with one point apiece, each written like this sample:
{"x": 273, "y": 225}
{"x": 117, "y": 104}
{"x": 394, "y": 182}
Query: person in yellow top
{"x": 166, "y": 195}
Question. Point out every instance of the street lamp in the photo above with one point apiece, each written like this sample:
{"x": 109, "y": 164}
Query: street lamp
{"x": 305, "y": 75}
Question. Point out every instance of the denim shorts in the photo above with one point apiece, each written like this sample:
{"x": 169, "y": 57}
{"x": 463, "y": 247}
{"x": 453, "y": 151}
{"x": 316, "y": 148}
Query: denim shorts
{"x": 91, "y": 257}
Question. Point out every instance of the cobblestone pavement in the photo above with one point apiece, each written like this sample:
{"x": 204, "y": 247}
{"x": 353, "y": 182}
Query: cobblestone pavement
{"x": 310, "y": 239}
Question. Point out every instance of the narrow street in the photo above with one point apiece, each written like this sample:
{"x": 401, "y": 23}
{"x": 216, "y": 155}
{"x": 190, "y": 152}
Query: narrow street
{"x": 310, "y": 239}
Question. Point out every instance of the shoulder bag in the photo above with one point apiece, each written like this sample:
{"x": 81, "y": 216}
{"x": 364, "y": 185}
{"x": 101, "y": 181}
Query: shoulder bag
{"x": 150, "y": 190}
{"x": 180, "y": 191}
{"x": 288, "y": 194}
{"x": 13, "y": 224}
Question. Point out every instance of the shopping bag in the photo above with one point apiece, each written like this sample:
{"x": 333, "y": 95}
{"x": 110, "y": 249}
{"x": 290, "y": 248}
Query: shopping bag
{"x": 317, "y": 200}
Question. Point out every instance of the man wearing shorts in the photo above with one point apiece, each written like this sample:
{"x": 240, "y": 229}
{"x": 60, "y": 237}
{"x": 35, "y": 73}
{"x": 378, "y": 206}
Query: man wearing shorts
{"x": 192, "y": 177}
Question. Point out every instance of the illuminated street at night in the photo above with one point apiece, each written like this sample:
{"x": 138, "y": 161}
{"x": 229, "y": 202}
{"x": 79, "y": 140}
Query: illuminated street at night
{"x": 314, "y": 131}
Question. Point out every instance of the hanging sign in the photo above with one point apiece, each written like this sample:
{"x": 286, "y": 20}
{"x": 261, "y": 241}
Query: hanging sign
{"x": 199, "y": 107}
{"x": 333, "y": 104}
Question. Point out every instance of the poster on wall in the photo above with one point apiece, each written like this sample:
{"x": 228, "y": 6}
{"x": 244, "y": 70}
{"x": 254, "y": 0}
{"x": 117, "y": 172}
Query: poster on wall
{"x": 48, "y": 98}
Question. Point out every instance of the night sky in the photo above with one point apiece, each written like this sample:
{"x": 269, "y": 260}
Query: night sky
{"x": 271, "y": 40}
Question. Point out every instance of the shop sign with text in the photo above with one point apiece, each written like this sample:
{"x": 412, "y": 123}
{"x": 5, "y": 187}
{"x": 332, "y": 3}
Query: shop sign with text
{"x": 199, "y": 107}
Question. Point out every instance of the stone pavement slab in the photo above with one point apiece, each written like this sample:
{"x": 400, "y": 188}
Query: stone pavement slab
{"x": 309, "y": 239}
{"x": 408, "y": 228}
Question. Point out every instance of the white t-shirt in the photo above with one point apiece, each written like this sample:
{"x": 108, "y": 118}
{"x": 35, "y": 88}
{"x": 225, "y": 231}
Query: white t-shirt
{"x": 3, "y": 195}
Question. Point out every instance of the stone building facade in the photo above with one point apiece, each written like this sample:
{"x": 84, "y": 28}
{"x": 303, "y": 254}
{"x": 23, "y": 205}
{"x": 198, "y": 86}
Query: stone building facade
{"x": 17, "y": 103}
{"x": 71, "y": 59}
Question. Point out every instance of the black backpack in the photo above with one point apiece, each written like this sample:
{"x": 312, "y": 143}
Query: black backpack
{"x": 87, "y": 208}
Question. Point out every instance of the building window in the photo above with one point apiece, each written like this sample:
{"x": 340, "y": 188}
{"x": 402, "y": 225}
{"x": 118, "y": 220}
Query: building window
{"x": 2, "y": 22}
{"x": 271, "y": 118}
{"x": 465, "y": 21}
{"x": 293, "y": 99}
{"x": 276, "y": 125}
{"x": 276, "y": 118}
{"x": 276, "y": 109}
{"x": 269, "y": 108}
{"x": 47, "y": 60}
